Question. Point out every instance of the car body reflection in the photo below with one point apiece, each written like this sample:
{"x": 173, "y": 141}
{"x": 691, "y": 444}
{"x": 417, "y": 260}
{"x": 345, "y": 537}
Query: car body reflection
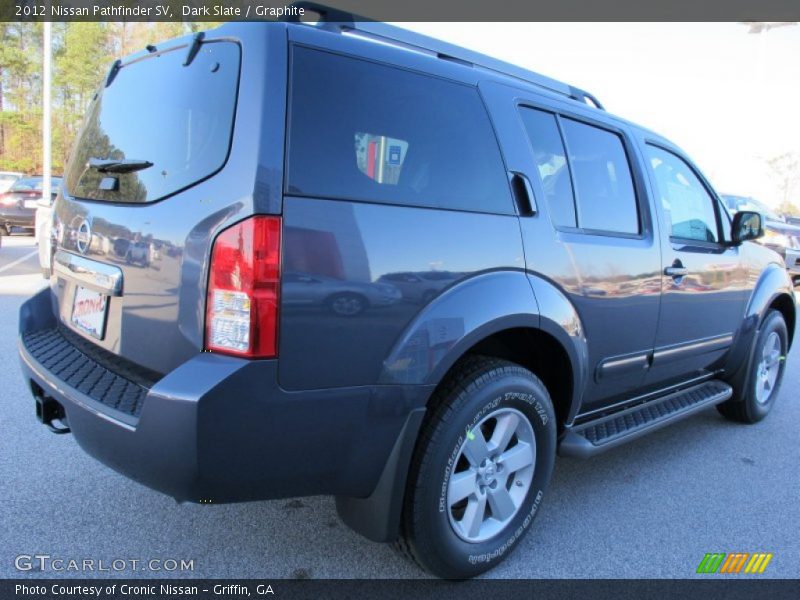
{"x": 421, "y": 286}
{"x": 340, "y": 297}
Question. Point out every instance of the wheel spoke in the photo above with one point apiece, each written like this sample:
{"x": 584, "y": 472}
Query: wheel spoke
{"x": 518, "y": 457}
{"x": 502, "y": 505}
{"x": 503, "y": 431}
{"x": 774, "y": 358}
{"x": 461, "y": 485}
{"x": 479, "y": 503}
{"x": 475, "y": 448}
{"x": 473, "y": 516}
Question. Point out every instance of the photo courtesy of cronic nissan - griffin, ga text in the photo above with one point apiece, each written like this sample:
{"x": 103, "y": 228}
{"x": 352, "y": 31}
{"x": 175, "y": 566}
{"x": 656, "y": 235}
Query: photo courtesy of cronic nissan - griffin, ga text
{"x": 346, "y": 259}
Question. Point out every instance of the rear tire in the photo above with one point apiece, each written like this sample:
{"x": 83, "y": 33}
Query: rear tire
{"x": 480, "y": 469}
{"x": 766, "y": 373}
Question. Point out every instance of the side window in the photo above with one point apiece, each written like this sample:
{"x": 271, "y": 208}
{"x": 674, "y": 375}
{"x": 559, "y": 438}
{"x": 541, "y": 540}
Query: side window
{"x": 375, "y": 133}
{"x": 687, "y": 204}
{"x": 551, "y": 163}
{"x": 603, "y": 183}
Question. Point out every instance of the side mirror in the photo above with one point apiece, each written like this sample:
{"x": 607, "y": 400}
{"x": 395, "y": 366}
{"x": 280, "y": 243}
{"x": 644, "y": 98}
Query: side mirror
{"x": 747, "y": 225}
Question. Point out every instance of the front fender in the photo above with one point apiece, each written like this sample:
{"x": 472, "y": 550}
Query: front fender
{"x": 772, "y": 283}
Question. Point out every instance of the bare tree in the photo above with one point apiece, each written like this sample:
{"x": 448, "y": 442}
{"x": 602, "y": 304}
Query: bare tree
{"x": 786, "y": 169}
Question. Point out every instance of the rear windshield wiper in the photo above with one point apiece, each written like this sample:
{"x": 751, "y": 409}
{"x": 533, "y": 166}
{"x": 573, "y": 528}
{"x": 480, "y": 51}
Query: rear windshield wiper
{"x": 114, "y": 165}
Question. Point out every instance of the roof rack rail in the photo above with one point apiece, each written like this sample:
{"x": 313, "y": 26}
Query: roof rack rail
{"x": 339, "y": 21}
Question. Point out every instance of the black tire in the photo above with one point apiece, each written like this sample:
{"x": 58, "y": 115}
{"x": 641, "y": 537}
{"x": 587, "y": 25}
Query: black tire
{"x": 347, "y": 304}
{"x": 747, "y": 406}
{"x": 477, "y": 389}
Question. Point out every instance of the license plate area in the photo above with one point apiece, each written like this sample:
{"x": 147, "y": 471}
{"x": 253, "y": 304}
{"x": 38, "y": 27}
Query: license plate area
{"x": 89, "y": 310}
{"x": 30, "y": 203}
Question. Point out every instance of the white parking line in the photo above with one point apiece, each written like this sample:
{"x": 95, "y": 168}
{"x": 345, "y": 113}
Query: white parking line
{"x": 18, "y": 261}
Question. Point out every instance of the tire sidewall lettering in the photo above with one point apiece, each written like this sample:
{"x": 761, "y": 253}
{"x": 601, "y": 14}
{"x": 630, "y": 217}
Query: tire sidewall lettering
{"x": 541, "y": 415}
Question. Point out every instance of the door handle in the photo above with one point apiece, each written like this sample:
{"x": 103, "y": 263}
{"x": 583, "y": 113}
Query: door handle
{"x": 523, "y": 194}
{"x": 676, "y": 271}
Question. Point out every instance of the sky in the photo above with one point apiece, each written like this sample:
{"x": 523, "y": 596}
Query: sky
{"x": 729, "y": 98}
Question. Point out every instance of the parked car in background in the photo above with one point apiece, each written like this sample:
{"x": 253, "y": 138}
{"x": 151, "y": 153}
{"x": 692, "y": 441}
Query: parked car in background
{"x": 7, "y": 179}
{"x": 422, "y": 286}
{"x": 793, "y": 220}
{"x": 779, "y": 235}
{"x": 340, "y": 297}
{"x": 41, "y": 228}
{"x": 19, "y": 203}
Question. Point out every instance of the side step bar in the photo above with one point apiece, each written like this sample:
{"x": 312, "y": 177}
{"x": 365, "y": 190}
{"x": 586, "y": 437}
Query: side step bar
{"x": 598, "y": 435}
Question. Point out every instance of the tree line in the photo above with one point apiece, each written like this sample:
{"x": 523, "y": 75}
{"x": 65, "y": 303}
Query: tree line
{"x": 82, "y": 54}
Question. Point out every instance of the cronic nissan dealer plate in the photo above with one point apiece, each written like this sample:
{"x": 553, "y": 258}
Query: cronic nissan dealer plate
{"x": 89, "y": 312}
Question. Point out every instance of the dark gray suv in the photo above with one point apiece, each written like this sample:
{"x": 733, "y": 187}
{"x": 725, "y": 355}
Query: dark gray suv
{"x": 400, "y": 273}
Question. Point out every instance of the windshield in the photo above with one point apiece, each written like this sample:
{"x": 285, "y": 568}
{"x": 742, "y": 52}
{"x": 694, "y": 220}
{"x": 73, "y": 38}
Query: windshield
{"x": 34, "y": 184}
{"x": 173, "y": 122}
{"x": 737, "y": 203}
{"x": 6, "y": 179}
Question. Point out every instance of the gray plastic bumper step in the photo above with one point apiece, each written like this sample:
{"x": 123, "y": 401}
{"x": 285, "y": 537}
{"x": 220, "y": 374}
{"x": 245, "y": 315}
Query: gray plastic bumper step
{"x": 598, "y": 435}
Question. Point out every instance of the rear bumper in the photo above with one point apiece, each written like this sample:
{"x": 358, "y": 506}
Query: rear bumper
{"x": 220, "y": 429}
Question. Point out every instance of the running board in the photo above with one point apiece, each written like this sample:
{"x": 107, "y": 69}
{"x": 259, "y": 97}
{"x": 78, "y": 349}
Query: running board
{"x": 598, "y": 435}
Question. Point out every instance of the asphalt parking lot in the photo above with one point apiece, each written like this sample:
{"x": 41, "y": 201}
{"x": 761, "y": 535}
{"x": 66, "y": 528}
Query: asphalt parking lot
{"x": 649, "y": 509}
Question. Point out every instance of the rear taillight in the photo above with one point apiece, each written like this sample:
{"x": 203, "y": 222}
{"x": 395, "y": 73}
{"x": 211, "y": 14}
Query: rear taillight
{"x": 244, "y": 288}
{"x": 6, "y": 200}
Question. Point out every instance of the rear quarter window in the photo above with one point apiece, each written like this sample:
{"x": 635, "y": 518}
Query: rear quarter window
{"x": 375, "y": 133}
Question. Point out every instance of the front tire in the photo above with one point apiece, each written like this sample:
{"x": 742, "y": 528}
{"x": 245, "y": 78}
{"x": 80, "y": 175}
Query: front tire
{"x": 480, "y": 469}
{"x": 766, "y": 373}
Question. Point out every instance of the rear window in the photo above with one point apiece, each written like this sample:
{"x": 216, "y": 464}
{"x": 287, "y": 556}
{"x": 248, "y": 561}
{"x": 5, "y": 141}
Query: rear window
{"x": 179, "y": 118}
{"x": 376, "y": 133}
{"x": 551, "y": 163}
{"x": 602, "y": 179}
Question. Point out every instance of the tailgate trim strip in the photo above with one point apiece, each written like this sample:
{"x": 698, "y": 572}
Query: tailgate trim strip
{"x": 89, "y": 273}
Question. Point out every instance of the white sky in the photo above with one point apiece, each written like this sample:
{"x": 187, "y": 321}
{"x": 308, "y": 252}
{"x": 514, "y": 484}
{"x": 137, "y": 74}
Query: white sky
{"x": 730, "y": 99}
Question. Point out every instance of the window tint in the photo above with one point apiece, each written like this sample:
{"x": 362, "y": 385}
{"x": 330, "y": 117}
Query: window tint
{"x": 551, "y": 163}
{"x": 602, "y": 179}
{"x": 369, "y": 132}
{"x": 687, "y": 204}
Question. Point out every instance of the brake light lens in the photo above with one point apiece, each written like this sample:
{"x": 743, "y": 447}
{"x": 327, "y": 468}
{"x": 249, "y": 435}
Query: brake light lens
{"x": 6, "y": 200}
{"x": 244, "y": 289}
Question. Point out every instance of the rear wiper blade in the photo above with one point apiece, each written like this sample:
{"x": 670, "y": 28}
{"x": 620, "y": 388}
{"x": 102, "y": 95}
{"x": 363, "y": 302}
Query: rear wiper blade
{"x": 114, "y": 165}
